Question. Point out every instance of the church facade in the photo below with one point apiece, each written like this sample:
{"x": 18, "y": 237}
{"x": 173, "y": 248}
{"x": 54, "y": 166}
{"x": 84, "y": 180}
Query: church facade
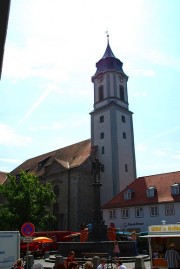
{"x": 69, "y": 169}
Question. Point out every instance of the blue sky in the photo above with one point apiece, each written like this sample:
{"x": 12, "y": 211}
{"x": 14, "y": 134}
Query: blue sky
{"x": 46, "y": 92}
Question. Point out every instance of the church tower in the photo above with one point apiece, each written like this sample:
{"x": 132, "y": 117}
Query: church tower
{"x": 112, "y": 126}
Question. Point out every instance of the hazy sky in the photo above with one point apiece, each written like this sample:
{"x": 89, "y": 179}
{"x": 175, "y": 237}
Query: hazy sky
{"x": 46, "y": 92}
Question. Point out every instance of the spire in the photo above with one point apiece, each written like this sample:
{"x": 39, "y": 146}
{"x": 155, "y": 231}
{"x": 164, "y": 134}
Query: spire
{"x": 108, "y": 52}
{"x": 108, "y": 61}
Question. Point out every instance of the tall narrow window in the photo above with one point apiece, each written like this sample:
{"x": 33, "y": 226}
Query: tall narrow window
{"x": 101, "y": 119}
{"x": 102, "y": 150}
{"x": 124, "y": 135}
{"x": 139, "y": 212}
{"x": 169, "y": 209}
{"x": 154, "y": 211}
{"x": 121, "y": 89}
{"x": 101, "y": 135}
{"x": 126, "y": 167}
{"x": 101, "y": 93}
{"x": 112, "y": 214}
{"x": 125, "y": 213}
{"x": 123, "y": 118}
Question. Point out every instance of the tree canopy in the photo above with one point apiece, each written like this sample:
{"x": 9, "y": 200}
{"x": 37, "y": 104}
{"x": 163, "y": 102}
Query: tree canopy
{"x": 26, "y": 200}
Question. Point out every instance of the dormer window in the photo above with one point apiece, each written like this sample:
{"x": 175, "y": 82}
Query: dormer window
{"x": 151, "y": 192}
{"x": 128, "y": 194}
{"x": 175, "y": 189}
{"x": 43, "y": 162}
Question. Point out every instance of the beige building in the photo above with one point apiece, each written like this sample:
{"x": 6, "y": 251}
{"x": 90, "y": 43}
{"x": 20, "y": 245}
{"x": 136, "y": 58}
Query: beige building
{"x": 148, "y": 200}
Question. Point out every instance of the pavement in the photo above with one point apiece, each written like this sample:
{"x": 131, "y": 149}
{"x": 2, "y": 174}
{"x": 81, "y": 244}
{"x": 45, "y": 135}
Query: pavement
{"x": 129, "y": 265}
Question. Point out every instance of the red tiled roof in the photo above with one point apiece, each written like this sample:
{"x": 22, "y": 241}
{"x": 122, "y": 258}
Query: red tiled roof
{"x": 162, "y": 183}
{"x": 3, "y": 176}
{"x": 68, "y": 157}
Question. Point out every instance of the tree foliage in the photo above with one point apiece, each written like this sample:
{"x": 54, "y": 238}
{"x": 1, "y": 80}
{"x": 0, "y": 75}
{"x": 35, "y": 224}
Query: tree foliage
{"x": 26, "y": 200}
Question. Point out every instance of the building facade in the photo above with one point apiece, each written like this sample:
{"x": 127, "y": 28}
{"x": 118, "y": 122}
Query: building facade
{"x": 69, "y": 171}
{"x": 149, "y": 200}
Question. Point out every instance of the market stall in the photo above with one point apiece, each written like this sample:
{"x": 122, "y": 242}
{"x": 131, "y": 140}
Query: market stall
{"x": 160, "y": 237}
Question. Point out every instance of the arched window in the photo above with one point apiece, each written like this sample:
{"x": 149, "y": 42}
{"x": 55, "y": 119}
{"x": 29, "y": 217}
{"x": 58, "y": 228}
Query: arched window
{"x": 55, "y": 208}
{"x": 121, "y": 90}
{"x": 101, "y": 93}
{"x": 56, "y": 190}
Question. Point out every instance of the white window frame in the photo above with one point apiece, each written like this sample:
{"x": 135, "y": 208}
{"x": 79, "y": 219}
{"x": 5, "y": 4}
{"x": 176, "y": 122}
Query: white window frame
{"x": 139, "y": 212}
{"x": 169, "y": 209}
{"x": 175, "y": 189}
{"x": 150, "y": 192}
{"x": 112, "y": 214}
{"x": 128, "y": 195}
{"x": 125, "y": 213}
{"x": 154, "y": 211}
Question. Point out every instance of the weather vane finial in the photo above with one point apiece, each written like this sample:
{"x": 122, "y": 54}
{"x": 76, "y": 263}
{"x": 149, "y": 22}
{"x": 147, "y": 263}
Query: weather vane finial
{"x": 107, "y": 33}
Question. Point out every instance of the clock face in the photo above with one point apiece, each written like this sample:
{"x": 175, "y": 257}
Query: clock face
{"x": 100, "y": 78}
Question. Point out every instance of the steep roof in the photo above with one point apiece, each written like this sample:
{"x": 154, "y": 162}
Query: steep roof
{"x": 162, "y": 184}
{"x": 3, "y": 176}
{"x": 109, "y": 62}
{"x": 68, "y": 157}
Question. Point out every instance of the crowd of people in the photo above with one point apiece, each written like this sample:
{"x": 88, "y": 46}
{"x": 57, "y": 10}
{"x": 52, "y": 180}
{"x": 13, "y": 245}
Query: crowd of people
{"x": 71, "y": 262}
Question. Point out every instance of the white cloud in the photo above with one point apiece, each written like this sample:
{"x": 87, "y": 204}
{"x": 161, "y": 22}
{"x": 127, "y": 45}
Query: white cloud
{"x": 158, "y": 57}
{"x": 159, "y": 135}
{"x": 143, "y": 72}
{"x": 139, "y": 94}
{"x": 9, "y": 137}
{"x": 35, "y": 105}
{"x": 6, "y": 160}
{"x": 175, "y": 156}
{"x": 76, "y": 121}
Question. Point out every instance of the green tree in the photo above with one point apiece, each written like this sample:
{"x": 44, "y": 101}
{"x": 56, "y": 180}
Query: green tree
{"x": 26, "y": 200}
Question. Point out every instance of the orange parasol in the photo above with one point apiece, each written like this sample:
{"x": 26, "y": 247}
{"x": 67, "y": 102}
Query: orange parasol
{"x": 43, "y": 239}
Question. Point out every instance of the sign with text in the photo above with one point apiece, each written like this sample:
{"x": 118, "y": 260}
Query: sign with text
{"x": 172, "y": 228}
{"x": 27, "y": 239}
{"x": 9, "y": 249}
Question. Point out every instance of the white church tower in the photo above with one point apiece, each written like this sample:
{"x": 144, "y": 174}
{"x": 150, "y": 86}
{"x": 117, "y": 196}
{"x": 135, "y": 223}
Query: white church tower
{"x": 112, "y": 126}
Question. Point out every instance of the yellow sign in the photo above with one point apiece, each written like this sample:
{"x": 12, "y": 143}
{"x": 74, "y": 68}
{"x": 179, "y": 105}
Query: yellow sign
{"x": 164, "y": 228}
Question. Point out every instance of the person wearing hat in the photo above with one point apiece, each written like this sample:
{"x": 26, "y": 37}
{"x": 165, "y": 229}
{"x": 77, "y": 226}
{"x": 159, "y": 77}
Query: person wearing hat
{"x": 172, "y": 257}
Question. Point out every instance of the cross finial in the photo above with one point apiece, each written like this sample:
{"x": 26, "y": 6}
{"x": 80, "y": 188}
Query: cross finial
{"x": 107, "y": 33}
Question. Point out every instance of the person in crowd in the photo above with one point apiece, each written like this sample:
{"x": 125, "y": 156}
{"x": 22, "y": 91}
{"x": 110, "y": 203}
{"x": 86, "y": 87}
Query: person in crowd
{"x": 88, "y": 265}
{"x": 156, "y": 254}
{"x": 172, "y": 257}
{"x": 59, "y": 266}
{"x": 71, "y": 261}
{"x": 73, "y": 265}
{"x": 120, "y": 265}
{"x": 19, "y": 264}
{"x": 37, "y": 266}
{"x": 102, "y": 265}
{"x": 116, "y": 250}
{"x": 134, "y": 238}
